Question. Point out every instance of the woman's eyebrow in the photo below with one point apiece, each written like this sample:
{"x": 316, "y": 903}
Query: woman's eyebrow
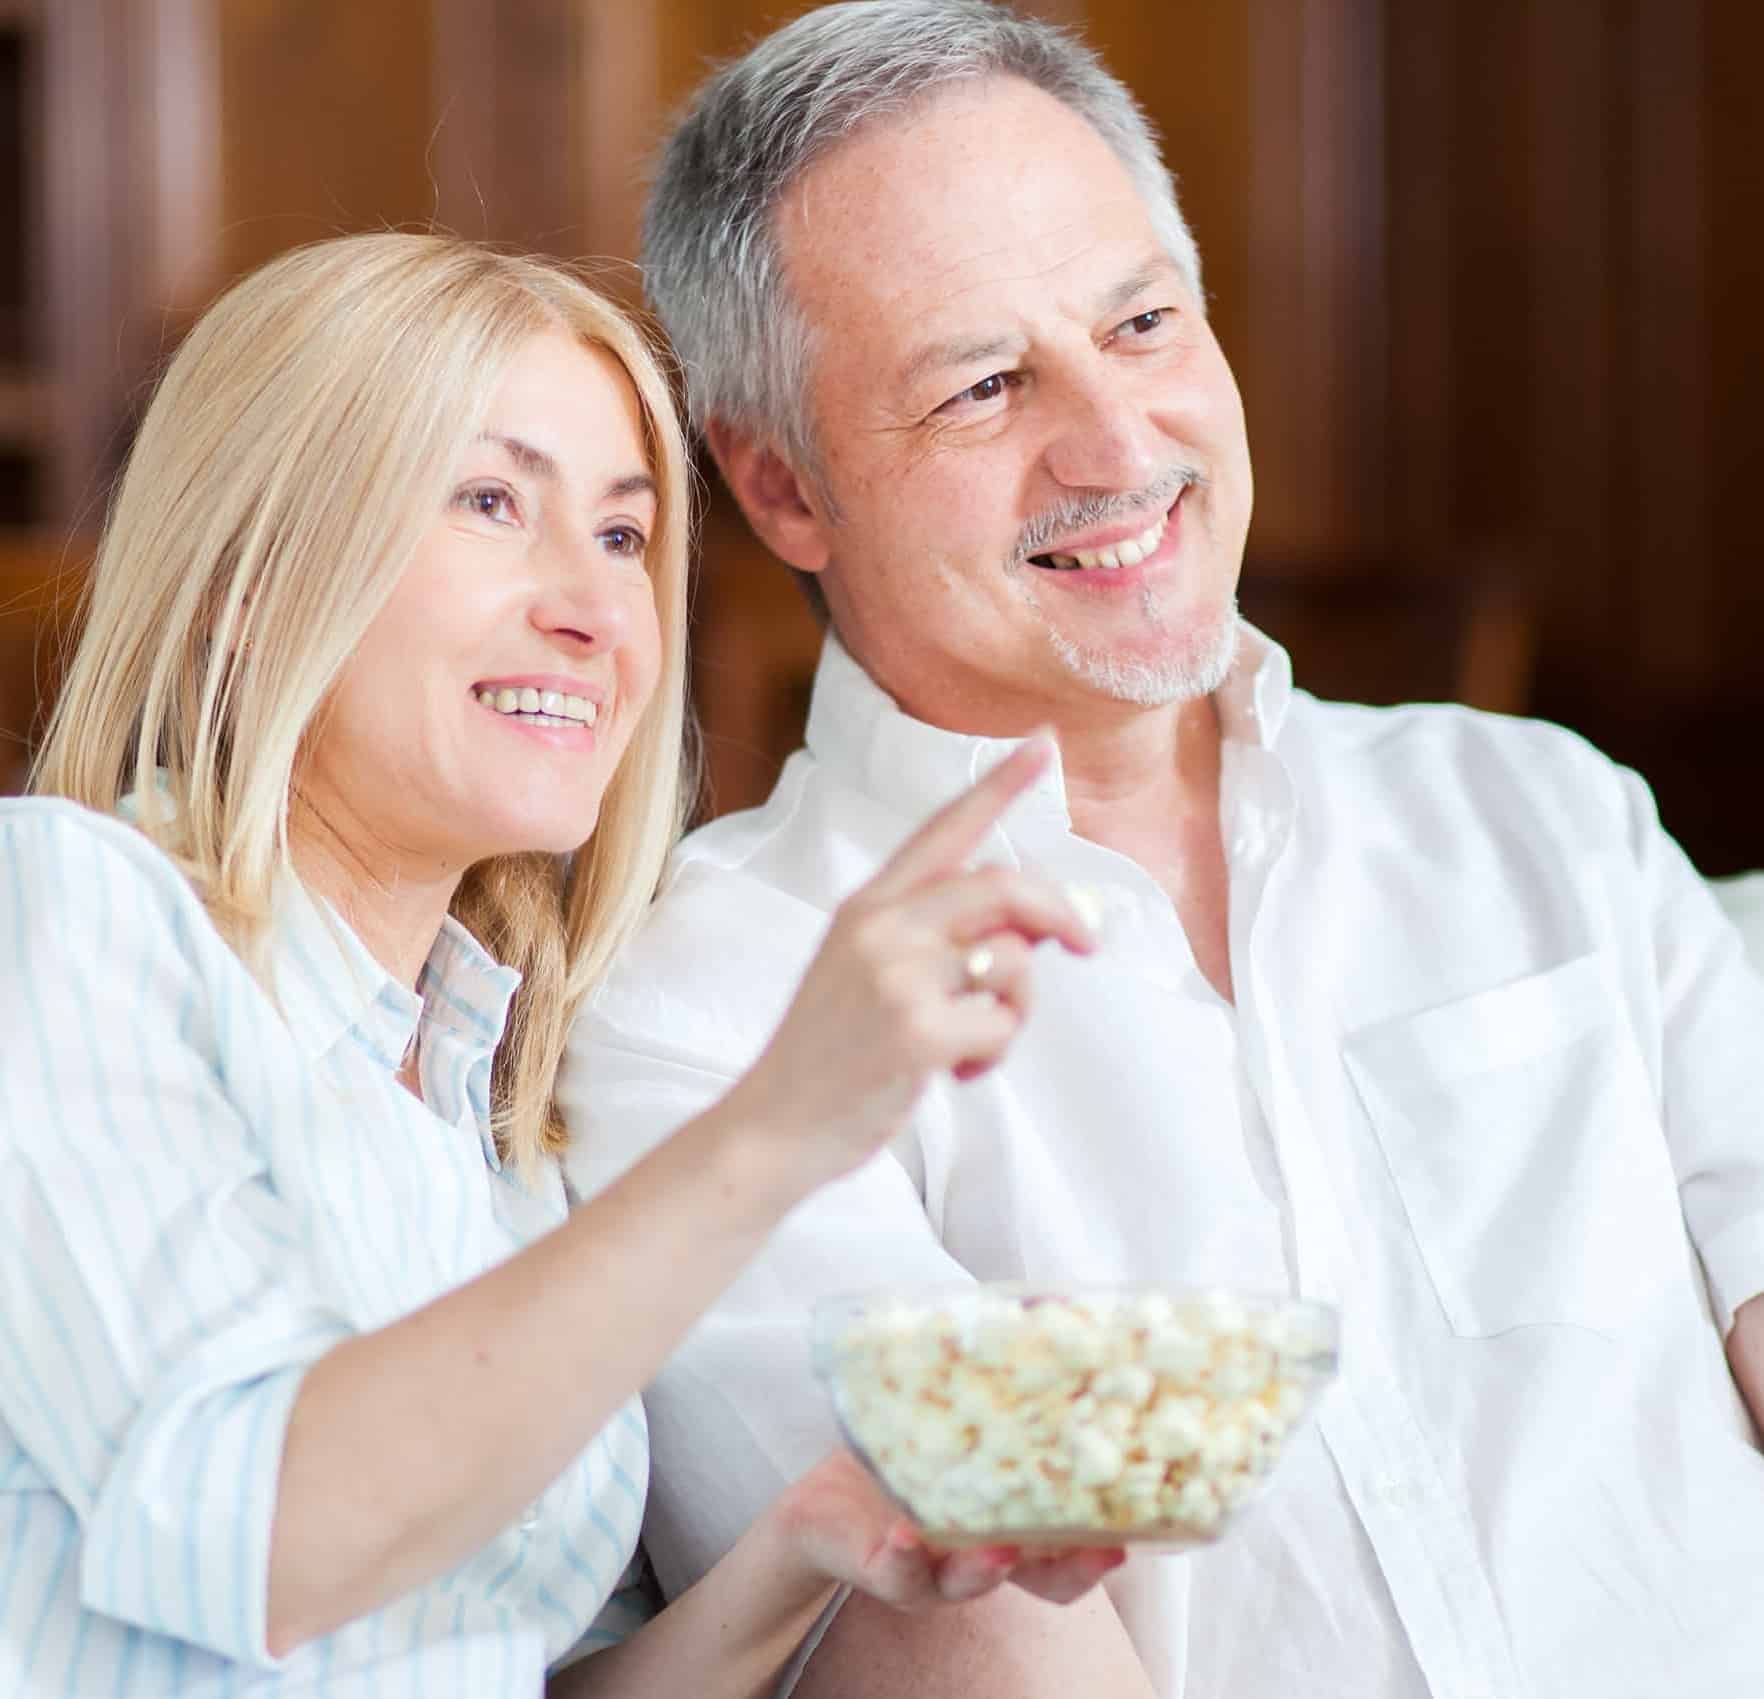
{"x": 534, "y": 461}
{"x": 632, "y": 484}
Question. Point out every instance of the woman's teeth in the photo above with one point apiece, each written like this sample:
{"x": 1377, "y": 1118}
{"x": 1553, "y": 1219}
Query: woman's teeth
{"x": 542, "y": 707}
{"x": 1129, "y": 553}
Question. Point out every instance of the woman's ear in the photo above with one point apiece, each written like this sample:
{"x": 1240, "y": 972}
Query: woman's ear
{"x": 783, "y": 514}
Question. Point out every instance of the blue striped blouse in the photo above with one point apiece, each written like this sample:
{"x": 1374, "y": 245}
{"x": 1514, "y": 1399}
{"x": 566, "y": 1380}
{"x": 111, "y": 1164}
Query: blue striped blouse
{"x": 200, "y": 1194}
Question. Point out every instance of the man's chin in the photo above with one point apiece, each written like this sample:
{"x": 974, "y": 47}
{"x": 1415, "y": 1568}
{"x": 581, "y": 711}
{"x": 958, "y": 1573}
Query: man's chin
{"x": 1171, "y": 672}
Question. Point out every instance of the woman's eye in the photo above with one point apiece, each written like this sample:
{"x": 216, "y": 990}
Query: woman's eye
{"x": 624, "y": 540}
{"x": 488, "y": 501}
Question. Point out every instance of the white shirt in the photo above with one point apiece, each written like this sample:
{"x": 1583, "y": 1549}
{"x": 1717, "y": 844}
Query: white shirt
{"x": 1492, "y": 1083}
{"x": 199, "y": 1196}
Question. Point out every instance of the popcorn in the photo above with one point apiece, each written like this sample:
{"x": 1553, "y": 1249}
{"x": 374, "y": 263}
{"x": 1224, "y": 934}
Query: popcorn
{"x": 1104, "y": 1417}
{"x": 1096, "y": 1459}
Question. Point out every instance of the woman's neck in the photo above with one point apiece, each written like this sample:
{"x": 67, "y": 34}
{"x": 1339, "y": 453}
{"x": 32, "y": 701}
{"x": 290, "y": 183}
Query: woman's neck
{"x": 389, "y": 900}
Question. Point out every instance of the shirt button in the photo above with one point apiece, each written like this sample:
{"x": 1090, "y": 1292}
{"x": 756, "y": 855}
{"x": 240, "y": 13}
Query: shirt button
{"x": 1398, "y": 1492}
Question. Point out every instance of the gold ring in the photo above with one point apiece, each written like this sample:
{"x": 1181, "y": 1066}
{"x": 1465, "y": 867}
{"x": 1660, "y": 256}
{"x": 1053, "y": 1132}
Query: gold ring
{"x": 976, "y": 965}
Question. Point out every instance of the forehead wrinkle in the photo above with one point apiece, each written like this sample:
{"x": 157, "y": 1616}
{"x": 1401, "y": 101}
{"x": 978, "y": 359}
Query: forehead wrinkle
{"x": 963, "y": 347}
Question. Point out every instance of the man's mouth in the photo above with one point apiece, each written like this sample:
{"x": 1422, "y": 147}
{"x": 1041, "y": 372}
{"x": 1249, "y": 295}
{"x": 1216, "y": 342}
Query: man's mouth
{"x": 1129, "y": 552}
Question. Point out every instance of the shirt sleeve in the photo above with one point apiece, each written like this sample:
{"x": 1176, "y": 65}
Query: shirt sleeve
{"x": 737, "y": 1414}
{"x": 155, "y": 1317}
{"x": 1711, "y": 1062}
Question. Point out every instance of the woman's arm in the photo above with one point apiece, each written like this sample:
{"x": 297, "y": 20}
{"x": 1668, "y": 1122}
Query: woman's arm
{"x": 727, "y": 1637}
{"x": 411, "y": 1447}
{"x": 731, "y": 1635}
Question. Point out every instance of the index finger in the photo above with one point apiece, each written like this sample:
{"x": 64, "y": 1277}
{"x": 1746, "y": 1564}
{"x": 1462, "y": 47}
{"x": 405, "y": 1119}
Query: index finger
{"x": 951, "y": 835}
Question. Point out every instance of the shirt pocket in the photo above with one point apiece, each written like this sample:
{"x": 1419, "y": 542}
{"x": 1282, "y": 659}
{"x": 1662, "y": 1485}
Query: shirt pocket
{"x": 1520, "y": 1127}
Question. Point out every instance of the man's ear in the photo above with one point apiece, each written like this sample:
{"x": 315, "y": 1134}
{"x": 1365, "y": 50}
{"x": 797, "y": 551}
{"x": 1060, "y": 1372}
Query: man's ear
{"x": 784, "y": 515}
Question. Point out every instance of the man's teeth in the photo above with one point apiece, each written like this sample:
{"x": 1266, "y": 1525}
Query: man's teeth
{"x": 544, "y": 707}
{"x": 1129, "y": 553}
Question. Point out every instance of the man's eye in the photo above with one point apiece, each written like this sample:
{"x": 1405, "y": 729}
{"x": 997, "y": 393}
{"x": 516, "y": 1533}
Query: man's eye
{"x": 488, "y": 501}
{"x": 987, "y": 389}
{"x": 1143, "y": 324}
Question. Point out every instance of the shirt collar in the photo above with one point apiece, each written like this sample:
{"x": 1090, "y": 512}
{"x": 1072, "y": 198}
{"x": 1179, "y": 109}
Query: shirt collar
{"x": 856, "y": 726}
{"x": 330, "y": 986}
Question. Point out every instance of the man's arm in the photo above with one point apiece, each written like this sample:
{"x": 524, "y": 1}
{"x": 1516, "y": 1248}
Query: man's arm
{"x": 1005, "y": 1646}
{"x": 1745, "y": 1355}
{"x": 1710, "y": 1011}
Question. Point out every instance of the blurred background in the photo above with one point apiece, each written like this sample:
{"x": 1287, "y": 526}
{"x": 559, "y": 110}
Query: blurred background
{"x": 1489, "y": 275}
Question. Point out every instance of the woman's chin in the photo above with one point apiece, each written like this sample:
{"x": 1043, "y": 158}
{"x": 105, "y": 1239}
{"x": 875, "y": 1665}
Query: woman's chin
{"x": 546, "y": 835}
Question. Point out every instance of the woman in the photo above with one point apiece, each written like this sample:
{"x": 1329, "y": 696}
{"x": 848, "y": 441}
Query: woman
{"x": 367, "y": 761}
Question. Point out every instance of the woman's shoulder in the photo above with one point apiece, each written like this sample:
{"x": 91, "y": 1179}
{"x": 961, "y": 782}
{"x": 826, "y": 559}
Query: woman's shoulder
{"x": 61, "y": 855}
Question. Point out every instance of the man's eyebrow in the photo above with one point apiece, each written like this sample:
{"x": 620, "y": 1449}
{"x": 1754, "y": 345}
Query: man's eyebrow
{"x": 953, "y": 351}
{"x": 1152, "y": 270}
{"x": 964, "y": 350}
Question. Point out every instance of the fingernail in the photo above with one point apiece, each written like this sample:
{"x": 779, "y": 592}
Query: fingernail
{"x": 1088, "y": 901}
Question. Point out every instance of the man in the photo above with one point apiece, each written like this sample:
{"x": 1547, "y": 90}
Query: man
{"x": 1415, "y": 1011}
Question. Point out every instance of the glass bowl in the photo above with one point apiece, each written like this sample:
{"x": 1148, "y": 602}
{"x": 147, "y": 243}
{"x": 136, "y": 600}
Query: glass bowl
{"x": 1007, "y": 1414}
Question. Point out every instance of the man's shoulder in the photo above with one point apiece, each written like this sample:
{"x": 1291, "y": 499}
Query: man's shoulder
{"x": 1445, "y": 737}
{"x": 1440, "y": 778}
{"x": 744, "y": 904}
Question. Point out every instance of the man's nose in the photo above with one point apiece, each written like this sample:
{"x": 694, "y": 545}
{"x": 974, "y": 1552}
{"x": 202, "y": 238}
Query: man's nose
{"x": 1104, "y": 435}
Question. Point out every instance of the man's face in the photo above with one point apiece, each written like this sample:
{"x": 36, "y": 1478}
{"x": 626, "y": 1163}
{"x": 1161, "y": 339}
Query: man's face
{"x": 1009, "y": 374}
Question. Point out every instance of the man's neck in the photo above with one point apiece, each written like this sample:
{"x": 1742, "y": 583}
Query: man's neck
{"x": 1146, "y": 772}
{"x": 1148, "y": 788}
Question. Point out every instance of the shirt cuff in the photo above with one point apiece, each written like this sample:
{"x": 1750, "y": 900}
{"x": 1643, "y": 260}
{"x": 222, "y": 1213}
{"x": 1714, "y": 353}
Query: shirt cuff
{"x": 178, "y": 1542}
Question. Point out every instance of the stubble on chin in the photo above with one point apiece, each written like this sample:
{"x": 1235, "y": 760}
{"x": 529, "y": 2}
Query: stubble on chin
{"x": 1191, "y": 663}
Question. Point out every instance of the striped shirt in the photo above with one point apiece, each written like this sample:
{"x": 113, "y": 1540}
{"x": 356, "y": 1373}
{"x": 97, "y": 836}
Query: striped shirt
{"x": 200, "y": 1194}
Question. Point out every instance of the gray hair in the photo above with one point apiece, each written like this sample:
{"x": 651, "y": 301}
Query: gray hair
{"x": 710, "y": 250}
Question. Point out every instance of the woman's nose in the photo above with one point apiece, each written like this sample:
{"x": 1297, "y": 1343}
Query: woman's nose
{"x": 583, "y": 599}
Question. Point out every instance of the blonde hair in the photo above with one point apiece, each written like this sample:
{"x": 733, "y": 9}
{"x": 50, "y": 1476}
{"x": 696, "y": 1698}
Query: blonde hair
{"x": 299, "y": 445}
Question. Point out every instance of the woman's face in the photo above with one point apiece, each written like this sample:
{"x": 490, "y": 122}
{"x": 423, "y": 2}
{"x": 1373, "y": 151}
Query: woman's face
{"x": 490, "y": 702}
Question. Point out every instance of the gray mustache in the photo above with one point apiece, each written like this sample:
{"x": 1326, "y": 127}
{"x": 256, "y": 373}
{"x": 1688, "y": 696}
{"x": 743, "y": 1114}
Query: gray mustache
{"x": 1039, "y": 534}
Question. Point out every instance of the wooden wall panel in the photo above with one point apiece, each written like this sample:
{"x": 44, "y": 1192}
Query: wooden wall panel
{"x": 1188, "y": 63}
{"x": 1733, "y": 50}
{"x": 1420, "y": 438}
{"x": 1313, "y": 369}
{"x": 326, "y": 114}
{"x": 1664, "y": 459}
{"x": 1488, "y": 276}
{"x": 1556, "y": 405}
{"x": 510, "y": 109}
